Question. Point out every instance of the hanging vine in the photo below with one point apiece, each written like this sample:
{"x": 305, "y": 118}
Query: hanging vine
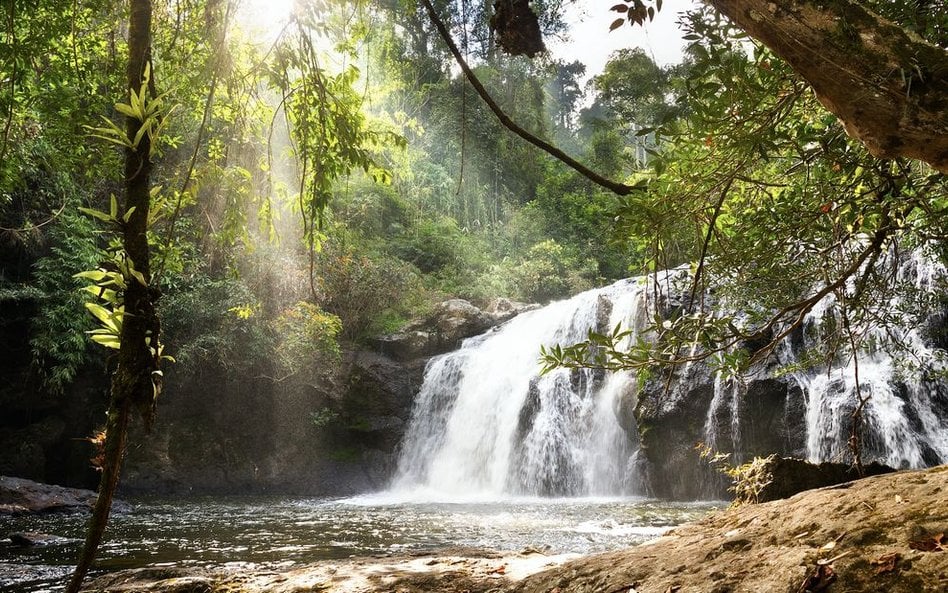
{"x": 329, "y": 132}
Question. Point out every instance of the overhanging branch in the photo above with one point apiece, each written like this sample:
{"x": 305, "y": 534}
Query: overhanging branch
{"x": 887, "y": 85}
{"x": 619, "y": 188}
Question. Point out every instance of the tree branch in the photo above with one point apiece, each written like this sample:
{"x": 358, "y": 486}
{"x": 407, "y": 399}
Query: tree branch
{"x": 618, "y": 188}
{"x": 886, "y": 85}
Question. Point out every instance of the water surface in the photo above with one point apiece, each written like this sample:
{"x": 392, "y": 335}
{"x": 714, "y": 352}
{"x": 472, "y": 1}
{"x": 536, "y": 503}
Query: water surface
{"x": 280, "y": 532}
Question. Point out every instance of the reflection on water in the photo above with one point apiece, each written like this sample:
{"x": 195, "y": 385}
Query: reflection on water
{"x": 284, "y": 532}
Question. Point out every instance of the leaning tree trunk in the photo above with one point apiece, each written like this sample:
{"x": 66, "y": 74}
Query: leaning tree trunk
{"x": 888, "y": 86}
{"x": 132, "y": 380}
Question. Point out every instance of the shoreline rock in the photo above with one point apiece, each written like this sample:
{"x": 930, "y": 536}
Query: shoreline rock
{"x": 874, "y": 534}
{"x": 19, "y": 496}
{"x": 463, "y": 570}
{"x": 787, "y": 476}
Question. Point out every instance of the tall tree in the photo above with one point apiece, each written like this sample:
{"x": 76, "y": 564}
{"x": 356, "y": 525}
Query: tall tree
{"x": 884, "y": 81}
{"x": 136, "y": 379}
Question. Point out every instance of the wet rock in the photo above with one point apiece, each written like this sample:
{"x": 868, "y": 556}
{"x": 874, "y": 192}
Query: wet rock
{"x": 20, "y": 496}
{"x": 502, "y": 309}
{"x": 157, "y": 580}
{"x": 679, "y": 415}
{"x": 671, "y": 420}
{"x": 28, "y": 539}
{"x": 790, "y": 476}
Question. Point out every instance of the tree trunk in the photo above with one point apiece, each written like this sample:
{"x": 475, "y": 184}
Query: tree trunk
{"x": 132, "y": 381}
{"x": 887, "y": 85}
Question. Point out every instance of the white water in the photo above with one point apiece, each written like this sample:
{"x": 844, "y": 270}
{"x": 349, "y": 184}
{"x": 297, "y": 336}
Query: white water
{"x": 486, "y": 424}
{"x": 900, "y": 374}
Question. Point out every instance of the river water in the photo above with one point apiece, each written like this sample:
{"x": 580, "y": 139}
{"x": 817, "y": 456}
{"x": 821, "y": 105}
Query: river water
{"x": 272, "y": 532}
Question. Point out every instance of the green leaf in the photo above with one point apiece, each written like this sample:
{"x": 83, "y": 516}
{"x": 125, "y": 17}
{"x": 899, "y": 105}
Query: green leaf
{"x": 137, "y": 276}
{"x": 120, "y": 141}
{"x": 109, "y": 341}
{"x": 144, "y": 129}
{"x": 94, "y": 275}
{"x": 96, "y": 214}
{"x": 126, "y": 110}
{"x": 103, "y": 315}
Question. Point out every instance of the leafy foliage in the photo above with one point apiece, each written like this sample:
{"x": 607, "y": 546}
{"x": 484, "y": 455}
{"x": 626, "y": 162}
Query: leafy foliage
{"x": 58, "y": 341}
{"x": 782, "y": 210}
{"x": 306, "y": 337}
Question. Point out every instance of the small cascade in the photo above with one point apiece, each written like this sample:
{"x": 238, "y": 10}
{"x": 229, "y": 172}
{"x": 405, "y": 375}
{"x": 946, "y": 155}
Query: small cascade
{"x": 902, "y": 377}
{"x": 724, "y": 410}
{"x": 486, "y": 423}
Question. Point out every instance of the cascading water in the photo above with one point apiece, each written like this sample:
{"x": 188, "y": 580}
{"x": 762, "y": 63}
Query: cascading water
{"x": 486, "y": 423}
{"x": 901, "y": 376}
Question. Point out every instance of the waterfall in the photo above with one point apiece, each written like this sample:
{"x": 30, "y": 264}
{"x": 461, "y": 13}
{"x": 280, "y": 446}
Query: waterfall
{"x": 903, "y": 378}
{"x": 486, "y": 423}
{"x": 725, "y": 402}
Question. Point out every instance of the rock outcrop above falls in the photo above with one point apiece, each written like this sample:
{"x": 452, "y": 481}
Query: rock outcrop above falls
{"x": 449, "y": 324}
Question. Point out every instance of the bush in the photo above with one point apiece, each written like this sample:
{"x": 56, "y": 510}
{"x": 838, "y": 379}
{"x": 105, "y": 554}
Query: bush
{"x": 58, "y": 342}
{"x": 432, "y": 245}
{"x": 551, "y": 271}
{"x": 306, "y": 338}
{"x": 366, "y": 291}
{"x": 215, "y": 321}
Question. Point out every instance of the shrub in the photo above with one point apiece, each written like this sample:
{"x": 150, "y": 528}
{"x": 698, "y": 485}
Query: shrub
{"x": 306, "y": 338}
{"x": 550, "y": 270}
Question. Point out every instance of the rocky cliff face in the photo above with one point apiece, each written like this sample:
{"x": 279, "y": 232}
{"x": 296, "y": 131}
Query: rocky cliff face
{"x": 677, "y": 417}
{"x": 220, "y": 433}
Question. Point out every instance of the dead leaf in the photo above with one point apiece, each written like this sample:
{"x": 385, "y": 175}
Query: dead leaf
{"x": 886, "y": 563}
{"x": 673, "y": 589}
{"x": 935, "y": 543}
{"x": 819, "y": 580}
{"x": 502, "y": 569}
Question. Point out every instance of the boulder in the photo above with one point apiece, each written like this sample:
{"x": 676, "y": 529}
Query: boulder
{"x": 877, "y": 534}
{"x": 503, "y": 309}
{"x": 446, "y": 328}
{"x": 21, "y": 496}
{"x": 786, "y": 476}
{"x": 29, "y": 539}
